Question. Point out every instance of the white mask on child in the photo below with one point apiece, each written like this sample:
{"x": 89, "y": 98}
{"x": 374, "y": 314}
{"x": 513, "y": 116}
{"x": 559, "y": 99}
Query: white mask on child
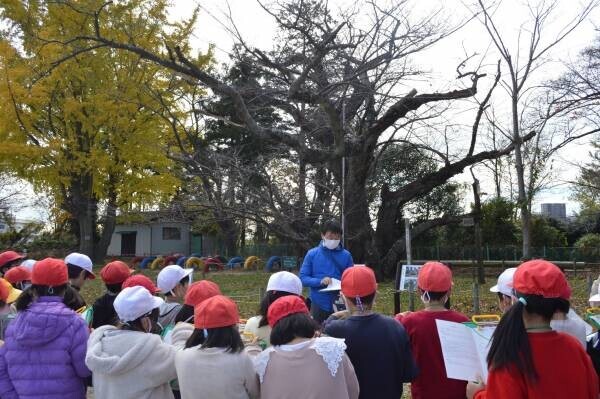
{"x": 331, "y": 244}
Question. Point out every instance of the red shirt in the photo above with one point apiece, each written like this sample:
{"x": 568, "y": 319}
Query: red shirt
{"x": 431, "y": 382}
{"x": 563, "y": 368}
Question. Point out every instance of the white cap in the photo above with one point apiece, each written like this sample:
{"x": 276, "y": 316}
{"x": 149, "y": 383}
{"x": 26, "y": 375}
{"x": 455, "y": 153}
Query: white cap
{"x": 285, "y": 281}
{"x": 134, "y": 302}
{"x": 29, "y": 263}
{"x": 82, "y": 261}
{"x": 170, "y": 276}
{"x": 505, "y": 282}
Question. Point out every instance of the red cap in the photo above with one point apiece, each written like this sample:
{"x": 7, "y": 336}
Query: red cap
{"x": 142, "y": 281}
{"x": 285, "y": 306}
{"x": 200, "y": 291}
{"x": 50, "y": 272}
{"x": 540, "y": 277}
{"x": 4, "y": 292}
{"x": 9, "y": 256}
{"x": 17, "y": 274}
{"x": 215, "y": 312}
{"x": 115, "y": 272}
{"x": 435, "y": 277}
{"x": 358, "y": 281}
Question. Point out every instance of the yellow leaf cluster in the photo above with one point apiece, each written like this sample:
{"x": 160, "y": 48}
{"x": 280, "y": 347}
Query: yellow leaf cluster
{"x": 96, "y": 114}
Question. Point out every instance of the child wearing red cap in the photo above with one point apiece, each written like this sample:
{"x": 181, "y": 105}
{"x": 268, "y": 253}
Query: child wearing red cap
{"x": 197, "y": 293}
{"x": 142, "y": 281}
{"x": 178, "y": 334}
{"x": 378, "y": 346}
{"x": 526, "y": 358}
{"x": 44, "y": 351}
{"x": 19, "y": 277}
{"x": 9, "y": 259}
{"x": 213, "y": 364}
{"x": 435, "y": 284}
{"x": 299, "y": 365}
{"x": 113, "y": 275}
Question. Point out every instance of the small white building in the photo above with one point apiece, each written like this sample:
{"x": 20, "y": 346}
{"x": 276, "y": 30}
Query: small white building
{"x": 152, "y": 238}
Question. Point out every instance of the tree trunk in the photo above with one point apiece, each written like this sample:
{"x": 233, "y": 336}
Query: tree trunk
{"x": 520, "y": 170}
{"x": 230, "y": 237}
{"x": 387, "y": 222}
{"x": 359, "y": 233}
{"x": 109, "y": 222}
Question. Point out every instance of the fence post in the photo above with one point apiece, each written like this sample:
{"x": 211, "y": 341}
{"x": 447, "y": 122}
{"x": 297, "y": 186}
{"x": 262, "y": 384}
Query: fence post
{"x": 487, "y": 251}
{"x": 411, "y": 292}
{"x": 589, "y": 282}
{"x": 544, "y": 252}
{"x": 514, "y": 253}
{"x": 475, "y": 291}
{"x": 396, "y": 289}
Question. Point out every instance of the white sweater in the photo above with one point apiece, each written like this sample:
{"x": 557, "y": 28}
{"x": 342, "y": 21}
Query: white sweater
{"x": 130, "y": 364}
{"x": 215, "y": 374}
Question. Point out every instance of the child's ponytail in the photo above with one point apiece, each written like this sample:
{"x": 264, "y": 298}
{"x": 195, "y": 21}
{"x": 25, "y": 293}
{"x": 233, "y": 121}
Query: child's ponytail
{"x": 25, "y": 299}
{"x": 35, "y": 291}
{"x": 510, "y": 343}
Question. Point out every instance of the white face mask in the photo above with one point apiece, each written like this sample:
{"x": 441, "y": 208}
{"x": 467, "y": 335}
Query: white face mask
{"x": 331, "y": 244}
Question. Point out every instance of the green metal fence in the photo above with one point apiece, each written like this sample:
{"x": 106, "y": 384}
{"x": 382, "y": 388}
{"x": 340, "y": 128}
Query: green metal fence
{"x": 590, "y": 255}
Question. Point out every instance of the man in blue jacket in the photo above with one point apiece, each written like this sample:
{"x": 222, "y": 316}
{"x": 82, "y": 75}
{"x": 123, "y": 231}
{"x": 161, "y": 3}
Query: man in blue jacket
{"x": 326, "y": 261}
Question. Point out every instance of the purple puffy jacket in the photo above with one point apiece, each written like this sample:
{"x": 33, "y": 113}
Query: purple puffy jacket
{"x": 43, "y": 356}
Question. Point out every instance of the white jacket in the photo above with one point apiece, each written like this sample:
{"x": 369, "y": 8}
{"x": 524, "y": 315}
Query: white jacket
{"x": 130, "y": 364}
{"x": 180, "y": 334}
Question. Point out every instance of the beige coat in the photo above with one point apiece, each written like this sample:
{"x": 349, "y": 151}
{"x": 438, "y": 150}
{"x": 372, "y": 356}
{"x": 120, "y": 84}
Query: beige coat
{"x": 216, "y": 374}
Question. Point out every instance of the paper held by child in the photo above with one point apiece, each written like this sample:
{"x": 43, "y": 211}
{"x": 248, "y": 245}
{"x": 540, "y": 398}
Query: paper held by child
{"x": 334, "y": 285}
{"x": 464, "y": 350}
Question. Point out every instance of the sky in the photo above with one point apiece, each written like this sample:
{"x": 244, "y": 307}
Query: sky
{"x": 258, "y": 28}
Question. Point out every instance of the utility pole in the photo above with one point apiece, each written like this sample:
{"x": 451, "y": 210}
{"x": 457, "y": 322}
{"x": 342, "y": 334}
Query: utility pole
{"x": 411, "y": 291}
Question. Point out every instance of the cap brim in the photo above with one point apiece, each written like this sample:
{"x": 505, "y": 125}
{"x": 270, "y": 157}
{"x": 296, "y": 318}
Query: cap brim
{"x": 13, "y": 295}
{"x": 188, "y": 272}
{"x": 594, "y": 298}
{"x": 330, "y": 289}
{"x": 158, "y": 301}
{"x": 90, "y": 275}
{"x": 494, "y": 288}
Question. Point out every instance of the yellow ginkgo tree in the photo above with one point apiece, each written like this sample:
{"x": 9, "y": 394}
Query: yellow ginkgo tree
{"x": 87, "y": 129}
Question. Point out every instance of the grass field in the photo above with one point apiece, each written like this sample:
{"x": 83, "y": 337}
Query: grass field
{"x": 246, "y": 288}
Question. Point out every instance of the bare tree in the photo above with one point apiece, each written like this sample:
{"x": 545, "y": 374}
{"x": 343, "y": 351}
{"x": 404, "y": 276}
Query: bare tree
{"x": 338, "y": 86}
{"x": 521, "y": 65}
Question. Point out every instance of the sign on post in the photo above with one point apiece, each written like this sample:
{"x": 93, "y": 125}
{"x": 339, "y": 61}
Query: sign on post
{"x": 289, "y": 262}
{"x": 408, "y": 278}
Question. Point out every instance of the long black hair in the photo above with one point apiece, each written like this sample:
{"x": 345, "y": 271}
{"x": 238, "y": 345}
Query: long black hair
{"x": 222, "y": 337}
{"x": 510, "y": 343}
{"x": 185, "y": 314}
{"x": 297, "y": 325}
{"x": 35, "y": 291}
{"x": 268, "y": 299}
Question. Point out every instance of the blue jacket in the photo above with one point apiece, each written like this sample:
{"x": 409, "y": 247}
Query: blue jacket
{"x": 319, "y": 263}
